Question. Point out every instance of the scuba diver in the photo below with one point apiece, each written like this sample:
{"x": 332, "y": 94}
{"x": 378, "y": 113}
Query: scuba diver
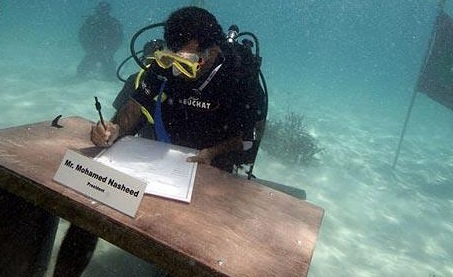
{"x": 235, "y": 64}
{"x": 198, "y": 88}
{"x": 100, "y": 35}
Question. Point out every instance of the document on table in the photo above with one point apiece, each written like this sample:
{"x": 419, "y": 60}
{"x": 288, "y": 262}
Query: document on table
{"x": 161, "y": 165}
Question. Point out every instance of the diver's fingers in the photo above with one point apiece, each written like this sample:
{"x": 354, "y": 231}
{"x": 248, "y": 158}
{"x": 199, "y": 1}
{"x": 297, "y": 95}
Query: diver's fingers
{"x": 98, "y": 135}
{"x": 203, "y": 157}
{"x": 104, "y": 136}
{"x": 114, "y": 131}
{"x": 192, "y": 159}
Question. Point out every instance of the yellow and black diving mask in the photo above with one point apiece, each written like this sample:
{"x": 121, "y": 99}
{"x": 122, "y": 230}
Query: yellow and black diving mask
{"x": 182, "y": 62}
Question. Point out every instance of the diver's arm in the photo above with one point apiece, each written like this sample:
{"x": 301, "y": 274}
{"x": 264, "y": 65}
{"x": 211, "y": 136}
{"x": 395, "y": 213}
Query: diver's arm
{"x": 206, "y": 155}
{"x": 128, "y": 118}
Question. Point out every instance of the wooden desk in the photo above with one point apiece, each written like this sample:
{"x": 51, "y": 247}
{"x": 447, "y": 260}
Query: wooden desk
{"x": 232, "y": 227}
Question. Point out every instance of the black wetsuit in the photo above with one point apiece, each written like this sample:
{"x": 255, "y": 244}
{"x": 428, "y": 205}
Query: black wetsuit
{"x": 226, "y": 107}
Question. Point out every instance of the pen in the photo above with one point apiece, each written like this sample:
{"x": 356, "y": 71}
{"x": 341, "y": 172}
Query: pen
{"x": 98, "y": 108}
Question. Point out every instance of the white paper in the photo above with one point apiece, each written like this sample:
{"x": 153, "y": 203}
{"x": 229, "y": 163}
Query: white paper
{"x": 162, "y": 166}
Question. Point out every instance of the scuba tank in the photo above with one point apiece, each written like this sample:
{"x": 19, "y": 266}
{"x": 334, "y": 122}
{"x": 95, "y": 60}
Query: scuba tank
{"x": 249, "y": 66}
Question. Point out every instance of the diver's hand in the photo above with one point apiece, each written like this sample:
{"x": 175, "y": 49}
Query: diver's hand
{"x": 205, "y": 156}
{"x": 104, "y": 137}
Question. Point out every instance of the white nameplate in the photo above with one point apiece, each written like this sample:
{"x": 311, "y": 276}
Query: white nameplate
{"x": 100, "y": 182}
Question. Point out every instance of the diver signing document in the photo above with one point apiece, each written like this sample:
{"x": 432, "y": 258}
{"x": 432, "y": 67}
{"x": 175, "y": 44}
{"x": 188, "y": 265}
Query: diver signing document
{"x": 163, "y": 167}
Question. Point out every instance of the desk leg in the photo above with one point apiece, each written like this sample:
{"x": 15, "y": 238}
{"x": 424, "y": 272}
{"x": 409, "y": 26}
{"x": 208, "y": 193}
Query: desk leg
{"x": 27, "y": 234}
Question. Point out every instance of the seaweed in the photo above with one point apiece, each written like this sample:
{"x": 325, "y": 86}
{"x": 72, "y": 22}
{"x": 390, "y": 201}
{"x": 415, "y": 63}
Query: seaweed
{"x": 290, "y": 141}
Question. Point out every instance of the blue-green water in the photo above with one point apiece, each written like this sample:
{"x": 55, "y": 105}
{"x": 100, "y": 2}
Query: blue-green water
{"x": 349, "y": 66}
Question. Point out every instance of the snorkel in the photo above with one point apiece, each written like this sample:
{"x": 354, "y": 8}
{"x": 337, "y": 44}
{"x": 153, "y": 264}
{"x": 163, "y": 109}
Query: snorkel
{"x": 149, "y": 48}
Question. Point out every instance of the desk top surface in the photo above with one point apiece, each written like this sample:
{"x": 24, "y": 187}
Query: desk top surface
{"x": 232, "y": 227}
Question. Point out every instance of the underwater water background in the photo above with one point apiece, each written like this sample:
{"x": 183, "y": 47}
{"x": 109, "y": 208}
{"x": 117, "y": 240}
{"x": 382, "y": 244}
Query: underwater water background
{"x": 349, "y": 67}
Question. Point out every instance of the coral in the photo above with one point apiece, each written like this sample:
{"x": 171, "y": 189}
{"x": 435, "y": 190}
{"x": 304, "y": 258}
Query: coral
{"x": 290, "y": 141}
